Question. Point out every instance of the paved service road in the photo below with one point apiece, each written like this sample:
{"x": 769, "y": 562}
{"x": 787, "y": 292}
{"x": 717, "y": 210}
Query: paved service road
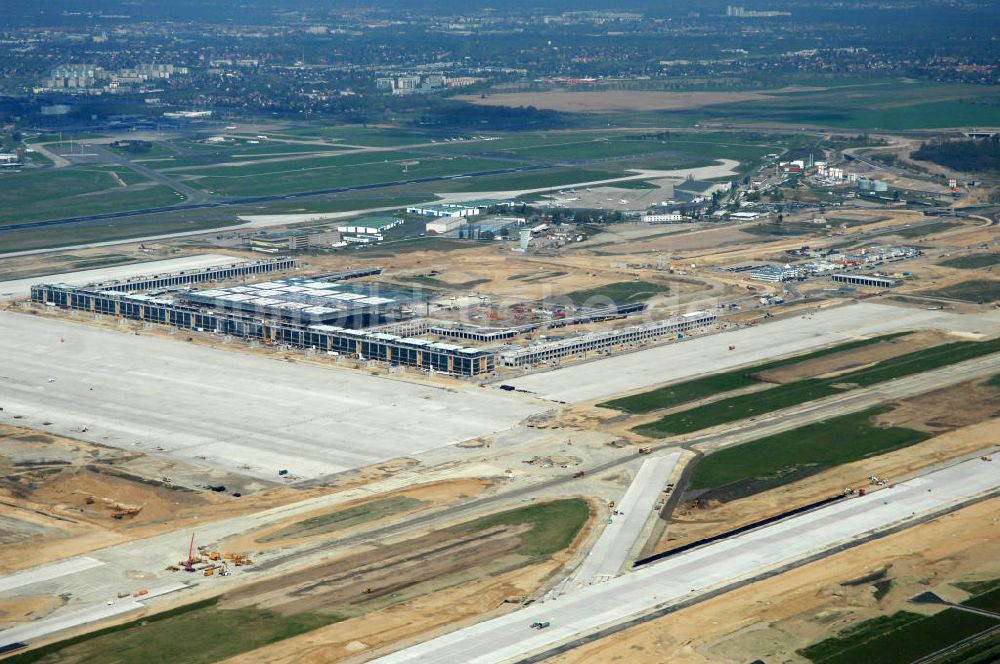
{"x": 689, "y": 575}
{"x": 697, "y": 356}
{"x": 611, "y": 551}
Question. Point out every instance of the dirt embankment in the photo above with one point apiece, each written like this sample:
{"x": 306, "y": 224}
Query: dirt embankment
{"x": 383, "y": 574}
{"x": 945, "y": 410}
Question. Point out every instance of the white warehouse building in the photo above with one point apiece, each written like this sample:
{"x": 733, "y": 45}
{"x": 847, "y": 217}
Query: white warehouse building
{"x": 445, "y": 224}
{"x": 447, "y": 210}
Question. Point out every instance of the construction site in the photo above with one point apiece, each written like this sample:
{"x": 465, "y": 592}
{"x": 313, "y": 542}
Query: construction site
{"x": 640, "y": 446}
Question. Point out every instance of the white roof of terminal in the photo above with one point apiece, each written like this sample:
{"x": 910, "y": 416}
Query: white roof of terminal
{"x": 316, "y": 298}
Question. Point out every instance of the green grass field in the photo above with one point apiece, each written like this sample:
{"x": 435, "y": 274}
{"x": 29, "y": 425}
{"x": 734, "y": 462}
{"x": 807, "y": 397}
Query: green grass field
{"x": 555, "y": 177}
{"x": 301, "y": 163}
{"x": 78, "y": 191}
{"x": 980, "y": 651}
{"x": 601, "y": 148}
{"x": 628, "y": 151}
{"x": 623, "y": 292}
{"x": 408, "y": 245}
{"x": 112, "y": 229}
{"x": 117, "y": 200}
{"x": 791, "y": 394}
{"x": 901, "y": 637}
{"x": 762, "y": 464}
{"x": 972, "y": 261}
{"x": 378, "y": 137}
{"x": 634, "y": 184}
{"x": 866, "y": 104}
{"x": 920, "y": 231}
{"x": 553, "y": 525}
{"x": 332, "y": 172}
{"x": 975, "y": 291}
{"x": 335, "y": 203}
{"x": 199, "y": 633}
{"x": 701, "y": 388}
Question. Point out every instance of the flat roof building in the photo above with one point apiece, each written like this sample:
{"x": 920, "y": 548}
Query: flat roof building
{"x": 276, "y": 243}
{"x": 445, "y": 224}
{"x": 870, "y": 280}
{"x": 776, "y": 273}
{"x": 304, "y": 300}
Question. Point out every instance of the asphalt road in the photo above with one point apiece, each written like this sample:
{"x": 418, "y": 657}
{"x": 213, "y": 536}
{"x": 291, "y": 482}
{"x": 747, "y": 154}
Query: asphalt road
{"x": 698, "y": 572}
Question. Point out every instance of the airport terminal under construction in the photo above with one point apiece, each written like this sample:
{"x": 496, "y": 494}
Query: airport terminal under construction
{"x": 364, "y": 321}
{"x": 438, "y": 437}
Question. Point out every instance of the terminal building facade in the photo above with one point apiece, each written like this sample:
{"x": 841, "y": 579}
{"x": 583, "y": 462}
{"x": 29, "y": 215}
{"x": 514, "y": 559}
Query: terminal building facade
{"x": 869, "y": 280}
{"x": 363, "y": 344}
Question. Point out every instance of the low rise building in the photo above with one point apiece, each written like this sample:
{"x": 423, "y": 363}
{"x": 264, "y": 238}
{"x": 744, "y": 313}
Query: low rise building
{"x": 776, "y": 273}
{"x": 444, "y": 210}
{"x": 445, "y": 224}
{"x": 869, "y": 280}
{"x": 279, "y": 243}
{"x": 663, "y": 218}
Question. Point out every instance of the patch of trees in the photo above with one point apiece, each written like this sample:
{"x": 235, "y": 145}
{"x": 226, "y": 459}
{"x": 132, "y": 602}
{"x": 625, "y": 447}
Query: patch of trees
{"x": 982, "y": 154}
{"x": 133, "y": 146}
{"x": 456, "y": 115}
